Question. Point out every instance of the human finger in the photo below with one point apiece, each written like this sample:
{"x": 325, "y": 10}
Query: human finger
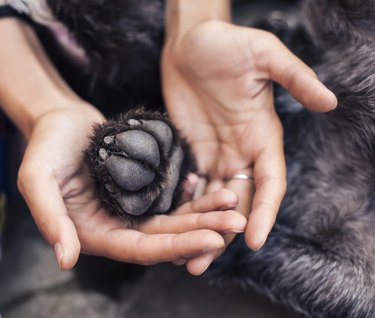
{"x": 128, "y": 245}
{"x": 219, "y": 221}
{"x": 214, "y": 185}
{"x": 220, "y": 200}
{"x": 43, "y": 197}
{"x": 189, "y": 187}
{"x": 198, "y": 265}
{"x": 243, "y": 185}
{"x": 244, "y": 188}
{"x": 179, "y": 262}
{"x": 283, "y": 67}
{"x": 200, "y": 188}
{"x": 270, "y": 181}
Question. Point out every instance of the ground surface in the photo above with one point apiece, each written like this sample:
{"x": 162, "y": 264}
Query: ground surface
{"x": 32, "y": 286}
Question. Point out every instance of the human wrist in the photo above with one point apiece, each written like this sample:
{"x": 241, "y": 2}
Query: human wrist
{"x": 29, "y": 85}
{"x": 182, "y": 15}
{"x": 26, "y": 116}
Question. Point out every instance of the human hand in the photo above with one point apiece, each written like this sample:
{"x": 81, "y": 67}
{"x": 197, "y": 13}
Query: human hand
{"x": 60, "y": 195}
{"x": 216, "y": 82}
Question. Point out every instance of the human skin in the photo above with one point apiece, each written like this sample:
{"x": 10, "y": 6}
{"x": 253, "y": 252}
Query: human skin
{"x": 56, "y": 185}
{"x": 217, "y": 81}
{"x": 56, "y": 123}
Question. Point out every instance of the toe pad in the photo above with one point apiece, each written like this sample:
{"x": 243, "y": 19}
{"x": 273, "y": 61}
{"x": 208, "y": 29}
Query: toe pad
{"x": 138, "y": 163}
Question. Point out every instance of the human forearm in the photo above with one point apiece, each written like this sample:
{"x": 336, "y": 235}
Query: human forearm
{"x": 181, "y": 15}
{"x": 29, "y": 84}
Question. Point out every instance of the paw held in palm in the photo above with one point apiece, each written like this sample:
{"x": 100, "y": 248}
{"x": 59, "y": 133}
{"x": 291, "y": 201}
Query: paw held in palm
{"x": 138, "y": 163}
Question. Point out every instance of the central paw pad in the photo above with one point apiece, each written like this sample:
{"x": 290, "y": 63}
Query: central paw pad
{"x": 138, "y": 163}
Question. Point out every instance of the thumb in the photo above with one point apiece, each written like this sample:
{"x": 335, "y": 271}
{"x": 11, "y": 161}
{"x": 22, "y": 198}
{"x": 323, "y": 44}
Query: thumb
{"x": 283, "y": 67}
{"x": 42, "y": 195}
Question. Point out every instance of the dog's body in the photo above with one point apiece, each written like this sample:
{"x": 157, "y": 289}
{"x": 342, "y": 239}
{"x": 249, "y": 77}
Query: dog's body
{"x": 320, "y": 257}
{"x": 123, "y": 41}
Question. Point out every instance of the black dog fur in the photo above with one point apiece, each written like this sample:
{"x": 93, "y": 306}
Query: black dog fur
{"x": 320, "y": 257}
{"x": 122, "y": 40}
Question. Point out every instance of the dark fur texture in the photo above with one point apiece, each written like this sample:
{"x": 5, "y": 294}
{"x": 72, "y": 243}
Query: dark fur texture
{"x": 107, "y": 189}
{"x": 320, "y": 257}
{"x": 122, "y": 40}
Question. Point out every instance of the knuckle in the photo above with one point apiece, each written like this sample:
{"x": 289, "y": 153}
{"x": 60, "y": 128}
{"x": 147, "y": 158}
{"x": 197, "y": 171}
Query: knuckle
{"x": 267, "y": 179}
{"x": 266, "y": 43}
{"x": 292, "y": 78}
{"x": 265, "y": 205}
{"x": 143, "y": 254}
{"x": 271, "y": 38}
{"x": 200, "y": 220}
{"x": 44, "y": 226}
{"x": 24, "y": 177}
{"x": 194, "y": 205}
{"x": 160, "y": 223}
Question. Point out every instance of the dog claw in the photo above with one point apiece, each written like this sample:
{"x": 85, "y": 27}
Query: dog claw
{"x": 109, "y": 140}
{"x": 109, "y": 188}
{"x": 103, "y": 154}
{"x": 133, "y": 122}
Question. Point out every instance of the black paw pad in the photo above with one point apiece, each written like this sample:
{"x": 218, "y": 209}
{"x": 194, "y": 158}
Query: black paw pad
{"x": 138, "y": 163}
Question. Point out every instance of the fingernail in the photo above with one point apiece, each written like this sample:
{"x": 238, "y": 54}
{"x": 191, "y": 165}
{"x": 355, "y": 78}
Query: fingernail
{"x": 199, "y": 189}
{"x": 334, "y": 101}
{"x": 59, "y": 252}
{"x": 228, "y": 206}
{"x": 180, "y": 262}
{"x": 234, "y": 231}
{"x": 213, "y": 247}
{"x": 191, "y": 183}
{"x": 261, "y": 245}
{"x": 205, "y": 265}
{"x": 238, "y": 227}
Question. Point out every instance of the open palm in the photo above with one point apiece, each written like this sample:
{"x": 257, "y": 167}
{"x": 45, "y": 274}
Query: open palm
{"x": 60, "y": 195}
{"x": 218, "y": 91}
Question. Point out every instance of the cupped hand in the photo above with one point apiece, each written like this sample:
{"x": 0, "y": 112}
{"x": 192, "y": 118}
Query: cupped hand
{"x": 59, "y": 192}
{"x": 218, "y": 91}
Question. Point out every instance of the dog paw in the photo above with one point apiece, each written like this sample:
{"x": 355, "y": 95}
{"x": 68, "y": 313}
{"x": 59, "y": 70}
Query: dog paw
{"x": 138, "y": 164}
